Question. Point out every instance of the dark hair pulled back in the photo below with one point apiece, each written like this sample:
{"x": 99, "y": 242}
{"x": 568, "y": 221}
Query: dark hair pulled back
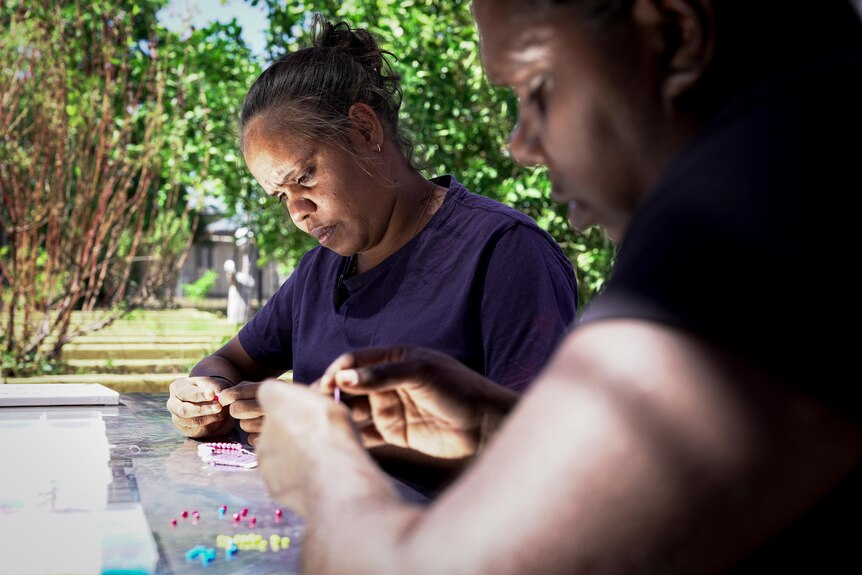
{"x": 309, "y": 92}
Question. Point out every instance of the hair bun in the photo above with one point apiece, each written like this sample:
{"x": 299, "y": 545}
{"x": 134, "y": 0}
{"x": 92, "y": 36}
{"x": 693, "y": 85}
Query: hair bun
{"x": 360, "y": 44}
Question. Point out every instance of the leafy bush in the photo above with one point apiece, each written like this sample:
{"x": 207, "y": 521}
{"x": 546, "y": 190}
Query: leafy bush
{"x": 198, "y": 289}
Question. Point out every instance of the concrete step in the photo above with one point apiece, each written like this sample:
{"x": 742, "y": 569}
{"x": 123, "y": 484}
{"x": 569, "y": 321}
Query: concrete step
{"x": 152, "y": 350}
{"x": 164, "y": 365}
{"x": 101, "y": 338}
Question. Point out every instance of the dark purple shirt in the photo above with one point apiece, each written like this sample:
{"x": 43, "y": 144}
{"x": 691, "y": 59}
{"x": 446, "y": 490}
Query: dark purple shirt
{"x": 481, "y": 282}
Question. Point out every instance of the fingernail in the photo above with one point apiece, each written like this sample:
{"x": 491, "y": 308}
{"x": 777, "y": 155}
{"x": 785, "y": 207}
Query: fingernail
{"x": 348, "y": 377}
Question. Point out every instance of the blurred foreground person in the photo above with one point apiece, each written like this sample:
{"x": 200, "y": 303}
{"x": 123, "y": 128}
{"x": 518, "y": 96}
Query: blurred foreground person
{"x": 701, "y": 418}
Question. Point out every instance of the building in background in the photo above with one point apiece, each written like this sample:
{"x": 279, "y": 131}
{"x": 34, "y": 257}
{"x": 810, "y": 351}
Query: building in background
{"x": 226, "y": 239}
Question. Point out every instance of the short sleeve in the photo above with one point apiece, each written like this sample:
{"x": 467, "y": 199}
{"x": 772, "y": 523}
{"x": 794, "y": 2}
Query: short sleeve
{"x": 268, "y": 337}
{"x": 528, "y": 302}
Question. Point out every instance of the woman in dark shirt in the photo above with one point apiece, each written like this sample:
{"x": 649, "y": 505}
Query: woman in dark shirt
{"x": 401, "y": 259}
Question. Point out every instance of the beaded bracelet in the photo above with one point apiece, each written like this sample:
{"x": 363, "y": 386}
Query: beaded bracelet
{"x": 231, "y": 454}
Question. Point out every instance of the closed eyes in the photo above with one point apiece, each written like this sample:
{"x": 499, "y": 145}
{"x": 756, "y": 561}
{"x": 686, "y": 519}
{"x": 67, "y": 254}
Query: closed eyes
{"x": 537, "y": 92}
{"x": 307, "y": 177}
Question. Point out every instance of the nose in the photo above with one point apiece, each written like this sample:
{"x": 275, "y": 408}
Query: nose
{"x": 524, "y": 144}
{"x": 299, "y": 207}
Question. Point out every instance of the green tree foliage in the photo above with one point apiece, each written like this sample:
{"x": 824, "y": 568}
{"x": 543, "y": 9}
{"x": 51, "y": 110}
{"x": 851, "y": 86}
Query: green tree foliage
{"x": 198, "y": 289}
{"x": 212, "y": 68}
{"x": 459, "y": 122}
{"x": 111, "y": 129}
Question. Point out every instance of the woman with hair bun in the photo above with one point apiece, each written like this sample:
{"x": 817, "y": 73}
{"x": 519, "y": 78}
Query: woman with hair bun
{"x": 402, "y": 259}
{"x": 703, "y": 416}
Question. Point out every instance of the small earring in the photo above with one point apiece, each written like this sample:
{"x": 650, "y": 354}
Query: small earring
{"x": 379, "y": 149}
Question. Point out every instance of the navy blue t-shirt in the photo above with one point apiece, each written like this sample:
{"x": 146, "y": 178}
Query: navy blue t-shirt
{"x": 749, "y": 241}
{"x": 481, "y": 282}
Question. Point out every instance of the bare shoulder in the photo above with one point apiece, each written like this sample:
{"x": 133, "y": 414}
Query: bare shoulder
{"x": 710, "y": 399}
{"x": 639, "y": 440}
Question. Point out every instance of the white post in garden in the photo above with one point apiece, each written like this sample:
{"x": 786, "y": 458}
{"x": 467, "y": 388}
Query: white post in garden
{"x": 239, "y": 288}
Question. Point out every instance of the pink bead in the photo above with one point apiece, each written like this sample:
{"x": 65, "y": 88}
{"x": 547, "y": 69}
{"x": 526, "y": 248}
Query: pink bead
{"x": 185, "y": 514}
{"x": 252, "y": 522}
{"x": 244, "y": 511}
{"x": 278, "y": 512}
{"x": 173, "y": 522}
{"x": 237, "y": 517}
{"x": 196, "y": 515}
{"x": 224, "y": 508}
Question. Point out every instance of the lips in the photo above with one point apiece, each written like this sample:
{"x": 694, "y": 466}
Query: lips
{"x": 580, "y": 215}
{"x": 323, "y": 234}
{"x": 558, "y": 193}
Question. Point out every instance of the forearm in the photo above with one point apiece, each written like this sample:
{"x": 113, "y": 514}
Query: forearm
{"x": 496, "y": 403}
{"x": 356, "y": 526}
{"x": 353, "y": 507}
{"x": 218, "y": 367}
{"x": 234, "y": 365}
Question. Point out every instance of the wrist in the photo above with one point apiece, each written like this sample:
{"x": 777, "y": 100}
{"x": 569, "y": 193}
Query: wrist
{"x": 221, "y": 377}
{"x": 495, "y": 409}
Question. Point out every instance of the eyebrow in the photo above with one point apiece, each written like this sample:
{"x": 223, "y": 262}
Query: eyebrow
{"x": 298, "y": 167}
{"x": 524, "y": 52}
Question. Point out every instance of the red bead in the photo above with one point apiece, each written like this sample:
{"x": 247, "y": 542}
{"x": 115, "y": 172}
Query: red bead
{"x": 244, "y": 511}
{"x": 185, "y": 514}
{"x": 278, "y": 512}
{"x": 173, "y": 522}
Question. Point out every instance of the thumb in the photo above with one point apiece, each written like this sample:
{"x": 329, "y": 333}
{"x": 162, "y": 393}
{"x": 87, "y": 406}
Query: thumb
{"x": 365, "y": 357}
{"x": 384, "y": 377}
{"x": 273, "y": 394}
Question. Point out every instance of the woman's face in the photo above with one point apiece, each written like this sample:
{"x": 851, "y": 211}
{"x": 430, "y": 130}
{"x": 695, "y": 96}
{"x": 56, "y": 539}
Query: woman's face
{"x": 582, "y": 110}
{"x": 327, "y": 194}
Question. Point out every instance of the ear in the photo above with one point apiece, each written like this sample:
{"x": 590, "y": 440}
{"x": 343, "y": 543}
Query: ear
{"x": 365, "y": 124}
{"x": 683, "y": 31}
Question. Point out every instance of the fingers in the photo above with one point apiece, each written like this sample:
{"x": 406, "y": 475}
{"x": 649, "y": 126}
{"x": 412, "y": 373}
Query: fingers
{"x": 296, "y": 409}
{"x": 272, "y": 393}
{"x": 203, "y": 426}
{"x": 370, "y": 437}
{"x": 384, "y": 377}
{"x": 252, "y": 425}
{"x": 241, "y": 391}
{"x": 326, "y": 383}
{"x": 367, "y": 357}
{"x": 196, "y": 389}
{"x": 377, "y": 355}
{"x": 193, "y": 408}
{"x": 360, "y": 409}
{"x": 243, "y": 406}
{"x": 187, "y": 409}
